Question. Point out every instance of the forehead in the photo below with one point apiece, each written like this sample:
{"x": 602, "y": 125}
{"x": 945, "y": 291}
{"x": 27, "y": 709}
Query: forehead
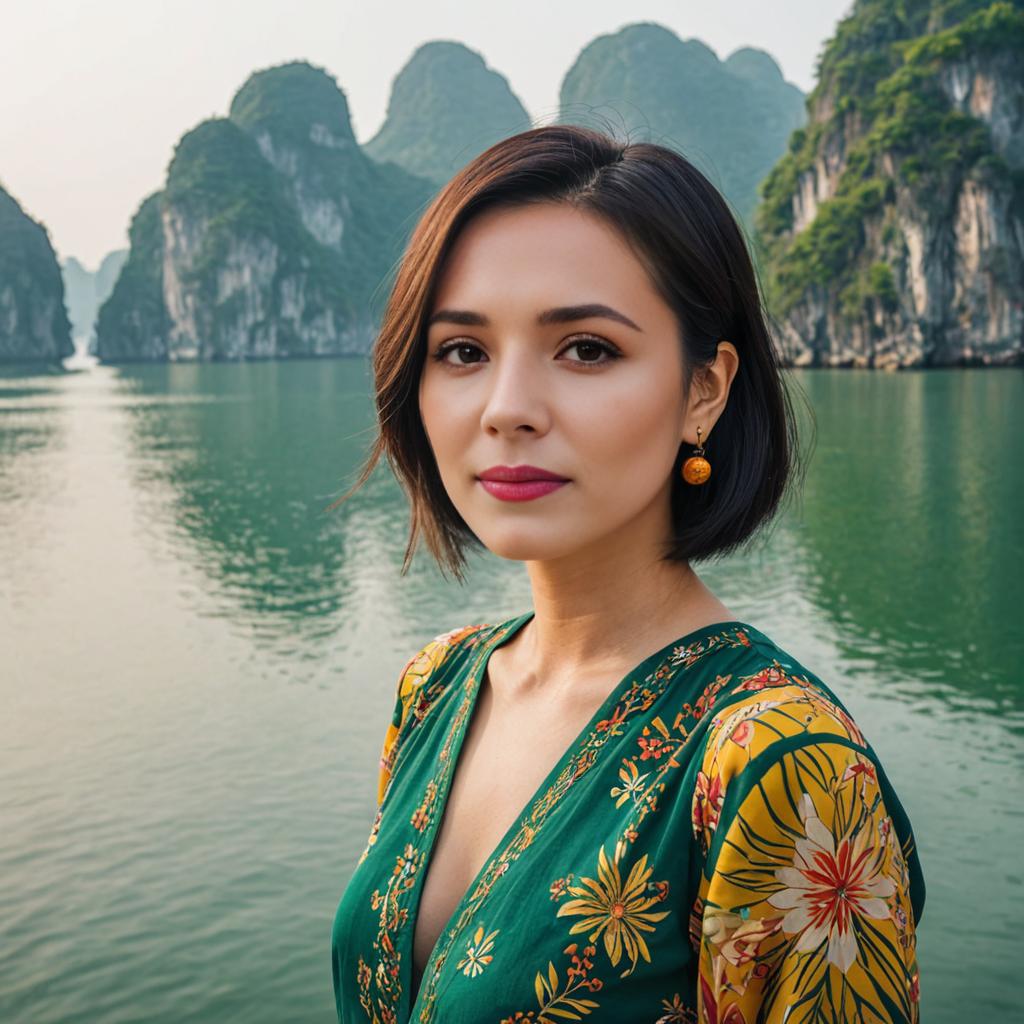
{"x": 538, "y": 252}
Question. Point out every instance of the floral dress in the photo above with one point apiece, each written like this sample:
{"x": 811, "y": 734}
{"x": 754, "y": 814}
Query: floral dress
{"x": 719, "y": 844}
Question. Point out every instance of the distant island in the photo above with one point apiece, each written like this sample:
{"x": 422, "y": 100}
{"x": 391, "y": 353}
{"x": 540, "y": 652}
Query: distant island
{"x": 85, "y": 291}
{"x": 270, "y": 239}
{"x": 276, "y": 233}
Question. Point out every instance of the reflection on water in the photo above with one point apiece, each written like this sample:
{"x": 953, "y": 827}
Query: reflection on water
{"x": 912, "y": 532}
{"x": 199, "y": 660}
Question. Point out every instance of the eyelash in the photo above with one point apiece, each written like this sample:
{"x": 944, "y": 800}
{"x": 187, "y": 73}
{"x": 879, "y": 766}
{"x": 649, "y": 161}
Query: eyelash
{"x": 576, "y": 339}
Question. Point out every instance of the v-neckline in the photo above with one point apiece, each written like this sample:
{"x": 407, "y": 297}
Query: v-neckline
{"x": 504, "y": 632}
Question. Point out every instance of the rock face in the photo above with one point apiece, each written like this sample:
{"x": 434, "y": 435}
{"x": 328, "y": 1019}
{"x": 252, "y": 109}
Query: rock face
{"x": 730, "y": 118}
{"x": 273, "y": 236}
{"x": 892, "y": 233}
{"x": 446, "y": 107}
{"x": 133, "y": 324}
{"x": 34, "y": 324}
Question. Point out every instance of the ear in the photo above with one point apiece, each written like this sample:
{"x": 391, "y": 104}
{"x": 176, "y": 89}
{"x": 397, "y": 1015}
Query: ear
{"x": 709, "y": 391}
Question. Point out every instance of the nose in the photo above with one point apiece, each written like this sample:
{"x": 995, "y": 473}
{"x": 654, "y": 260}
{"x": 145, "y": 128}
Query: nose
{"x": 515, "y": 395}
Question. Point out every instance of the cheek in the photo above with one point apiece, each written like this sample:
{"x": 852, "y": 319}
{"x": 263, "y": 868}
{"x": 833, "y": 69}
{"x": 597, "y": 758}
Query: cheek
{"x": 435, "y": 423}
{"x": 445, "y": 423}
{"x": 628, "y": 434}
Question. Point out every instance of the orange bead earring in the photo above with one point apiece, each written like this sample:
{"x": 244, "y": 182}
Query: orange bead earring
{"x": 697, "y": 469}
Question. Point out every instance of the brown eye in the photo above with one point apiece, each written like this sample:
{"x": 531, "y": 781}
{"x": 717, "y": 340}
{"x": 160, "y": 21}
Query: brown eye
{"x": 462, "y": 346}
{"x": 590, "y": 347}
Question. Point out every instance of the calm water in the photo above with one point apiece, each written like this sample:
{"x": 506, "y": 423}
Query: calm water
{"x": 198, "y": 663}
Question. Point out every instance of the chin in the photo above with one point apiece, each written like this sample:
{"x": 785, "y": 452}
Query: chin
{"x": 526, "y": 546}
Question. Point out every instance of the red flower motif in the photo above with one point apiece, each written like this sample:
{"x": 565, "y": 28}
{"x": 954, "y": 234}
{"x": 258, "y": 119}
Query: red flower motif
{"x": 743, "y": 733}
{"x": 707, "y": 802}
{"x": 771, "y": 675}
{"x": 653, "y": 746}
{"x": 829, "y": 885}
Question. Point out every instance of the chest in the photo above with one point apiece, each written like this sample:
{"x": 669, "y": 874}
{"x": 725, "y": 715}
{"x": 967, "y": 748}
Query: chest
{"x": 506, "y": 755}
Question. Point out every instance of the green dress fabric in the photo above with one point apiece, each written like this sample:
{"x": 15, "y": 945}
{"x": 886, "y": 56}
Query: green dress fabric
{"x": 719, "y": 844}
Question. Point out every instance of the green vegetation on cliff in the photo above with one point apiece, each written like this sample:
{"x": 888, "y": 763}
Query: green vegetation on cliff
{"x": 731, "y": 118}
{"x": 273, "y": 235}
{"x": 133, "y": 322}
{"x": 227, "y": 194}
{"x": 288, "y": 99}
{"x": 881, "y": 106}
{"x": 34, "y": 323}
{"x": 300, "y": 119}
{"x": 219, "y": 179}
{"x": 446, "y": 107}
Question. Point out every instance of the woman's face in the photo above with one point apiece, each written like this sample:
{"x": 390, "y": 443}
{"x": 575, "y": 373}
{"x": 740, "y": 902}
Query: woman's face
{"x": 597, "y": 400}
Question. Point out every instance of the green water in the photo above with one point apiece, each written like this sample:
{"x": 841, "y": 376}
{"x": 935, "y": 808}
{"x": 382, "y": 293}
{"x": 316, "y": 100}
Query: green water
{"x": 197, "y": 663}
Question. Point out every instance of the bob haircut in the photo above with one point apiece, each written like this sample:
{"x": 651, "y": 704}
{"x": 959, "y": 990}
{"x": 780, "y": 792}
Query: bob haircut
{"x": 684, "y": 233}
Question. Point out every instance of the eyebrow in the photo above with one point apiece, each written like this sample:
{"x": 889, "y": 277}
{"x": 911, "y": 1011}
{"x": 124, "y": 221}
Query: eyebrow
{"x": 558, "y": 315}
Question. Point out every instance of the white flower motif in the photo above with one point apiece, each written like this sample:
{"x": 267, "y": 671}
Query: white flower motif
{"x": 829, "y": 885}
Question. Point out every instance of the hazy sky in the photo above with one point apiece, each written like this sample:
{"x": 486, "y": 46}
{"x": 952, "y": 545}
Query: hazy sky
{"x": 94, "y": 96}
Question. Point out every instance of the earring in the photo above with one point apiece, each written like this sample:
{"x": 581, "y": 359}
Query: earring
{"x": 697, "y": 469}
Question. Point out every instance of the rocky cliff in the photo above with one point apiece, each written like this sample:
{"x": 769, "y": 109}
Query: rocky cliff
{"x": 34, "y": 324}
{"x": 273, "y": 236}
{"x": 892, "y": 233}
{"x": 446, "y": 107}
{"x": 731, "y": 118}
{"x": 133, "y": 324}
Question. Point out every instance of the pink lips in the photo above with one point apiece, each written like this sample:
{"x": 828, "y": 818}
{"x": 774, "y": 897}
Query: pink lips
{"x": 520, "y": 483}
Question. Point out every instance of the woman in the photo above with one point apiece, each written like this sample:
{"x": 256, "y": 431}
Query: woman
{"x": 624, "y": 804}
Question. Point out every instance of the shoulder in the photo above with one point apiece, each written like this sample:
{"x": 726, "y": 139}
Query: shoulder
{"x": 439, "y": 652}
{"x": 420, "y": 680}
{"x": 774, "y": 714}
{"x": 438, "y": 649}
{"x": 810, "y": 887}
{"x": 773, "y": 699}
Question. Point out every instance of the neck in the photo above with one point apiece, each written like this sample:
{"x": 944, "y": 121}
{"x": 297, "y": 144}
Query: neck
{"x": 605, "y": 618}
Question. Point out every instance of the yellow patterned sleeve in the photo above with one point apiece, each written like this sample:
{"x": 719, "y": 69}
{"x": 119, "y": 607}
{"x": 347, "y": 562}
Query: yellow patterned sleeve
{"x": 805, "y": 908}
{"x": 411, "y": 699}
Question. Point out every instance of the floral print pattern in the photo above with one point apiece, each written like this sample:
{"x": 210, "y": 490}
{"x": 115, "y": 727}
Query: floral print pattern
{"x": 618, "y": 909}
{"x": 478, "y": 953}
{"x": 808, "y": 898}
{"x": 718, "y": 846}
{"x": 827, "y": 888}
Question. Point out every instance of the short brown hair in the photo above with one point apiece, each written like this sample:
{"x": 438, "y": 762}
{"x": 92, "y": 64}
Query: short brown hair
{"x": 684, "y": 232}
